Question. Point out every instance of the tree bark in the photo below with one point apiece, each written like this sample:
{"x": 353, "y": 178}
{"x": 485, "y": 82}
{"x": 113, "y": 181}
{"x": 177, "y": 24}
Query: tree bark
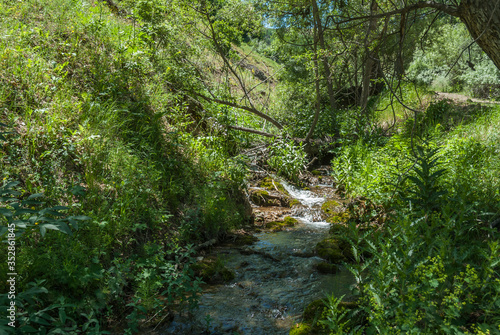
{"x": 370, "y": 55}
{"x": 324, "y": 58}
{"x": 482, "y": 19}
{"x": 316, "y": 83}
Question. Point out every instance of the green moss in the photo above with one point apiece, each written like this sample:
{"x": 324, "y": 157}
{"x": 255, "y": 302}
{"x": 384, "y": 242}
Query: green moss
{"x": 339, "y": 229}
{"x": 270, "y": 184}
{"x": 294, "y": 202}
{"x": 301, "y": 329}
{"x": 289, "y": 221}
{"x": 339, "y": 218}
{"x": 260, "y": 198}
{"x": 334, "y": 250}
{"x": 313, "y": 310}
{"x": 213, "y": 271}
{"x": 240, "y": 240}
{"x": 316, "y": 172}
{"x": 246, "y": 239}
{"x": 327, "y": 268}
{"x": 279, "y": 225}
{"x": 329, "y": 207}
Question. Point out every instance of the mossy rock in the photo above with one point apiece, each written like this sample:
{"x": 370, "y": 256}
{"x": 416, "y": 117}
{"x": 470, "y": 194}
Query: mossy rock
{"x": 339, "y": 217}
{"x": 316, "y": 172}
{"x": 270, "y": 184}
{"x": 294, "y": 202}
{"x": 339, "y": 229}
{"x": 240, "y": 240}
{"x": 314, "y": 310}
{"x": 289, "y": 221}
{"x": 246, "y": 239}
{"x": 280, "y": 225}
{"x": 329, "y": 207}
{"x": 212, "y": 271}
{"x": 327, "y": 268}
{"x": 301, "y": 329}
{"x": 335, "y": 250}
{"x": 263, "y": 198}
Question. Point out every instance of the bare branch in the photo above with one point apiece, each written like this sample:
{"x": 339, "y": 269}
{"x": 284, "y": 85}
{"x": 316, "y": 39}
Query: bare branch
{"x": 253, "y": 131}
{"x": 235, "y": 105}
{"x": 450, "y": 10}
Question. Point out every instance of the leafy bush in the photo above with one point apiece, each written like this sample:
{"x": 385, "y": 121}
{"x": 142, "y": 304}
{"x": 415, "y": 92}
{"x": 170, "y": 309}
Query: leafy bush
{"x": 288, "y": 159}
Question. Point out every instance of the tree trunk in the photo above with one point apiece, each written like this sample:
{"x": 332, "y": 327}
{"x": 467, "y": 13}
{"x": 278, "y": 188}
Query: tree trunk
{"x": 318, "y": 91}
{"x": 370, "y": 55}
{"x": 324, "y": 57}
{"x": 482, "y": 18}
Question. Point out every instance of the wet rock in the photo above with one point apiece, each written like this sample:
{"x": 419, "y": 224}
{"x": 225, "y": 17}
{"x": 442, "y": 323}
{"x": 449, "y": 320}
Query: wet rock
{"x": 268, "y": 214}
{"x": 334, "y": 250}
{"x": 249, "y": 251}
{"x": 227, "y": 327}
{"x": 212, "y": 271}
{"x": 270, "y": 184}
{"x": 265, "y": 198}
{"x": 339, "y": 229}
{"x": 326, "y": 268}
{"x": 280, "y": 225}
{"x": 313, "y": 310}
{"x": 239, "y": 239}
{"x": 330, "y": 207}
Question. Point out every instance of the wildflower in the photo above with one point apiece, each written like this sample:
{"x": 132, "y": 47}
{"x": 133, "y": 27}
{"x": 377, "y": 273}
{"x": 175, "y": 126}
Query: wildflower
{"x": 36, "y": 223}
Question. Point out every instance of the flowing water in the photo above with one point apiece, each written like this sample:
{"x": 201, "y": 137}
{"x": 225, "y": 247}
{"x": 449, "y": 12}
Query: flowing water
{"x": 275, "y": 279}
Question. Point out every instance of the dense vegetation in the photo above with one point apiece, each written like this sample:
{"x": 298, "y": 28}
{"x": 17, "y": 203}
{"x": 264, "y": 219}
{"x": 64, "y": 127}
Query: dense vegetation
{"x": 123, "y": 123}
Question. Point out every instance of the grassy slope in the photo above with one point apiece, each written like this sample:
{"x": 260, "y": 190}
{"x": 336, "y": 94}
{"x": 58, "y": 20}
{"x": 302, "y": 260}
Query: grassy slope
{"x": 99, "y": 132}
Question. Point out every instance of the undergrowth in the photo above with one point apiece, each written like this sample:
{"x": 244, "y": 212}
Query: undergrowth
{"x": 433, "y": 265}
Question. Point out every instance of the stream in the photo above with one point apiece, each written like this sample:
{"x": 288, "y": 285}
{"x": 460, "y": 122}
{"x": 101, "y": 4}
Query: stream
{"x": 275, "y": 279}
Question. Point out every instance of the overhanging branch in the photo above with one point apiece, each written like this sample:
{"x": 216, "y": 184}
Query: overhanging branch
{"x": 450, "y": 10}
{"x": 235, "y": 105}
{"x": 253, "y": 131}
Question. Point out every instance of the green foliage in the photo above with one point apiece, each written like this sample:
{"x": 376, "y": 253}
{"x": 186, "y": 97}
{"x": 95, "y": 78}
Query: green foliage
{"x": 433, "y": 266}
{"x": 288, "y": 159}
{"x": 425, "y": 192}
{"x": 99, "y": 131}
{"x": 440, "y": 63}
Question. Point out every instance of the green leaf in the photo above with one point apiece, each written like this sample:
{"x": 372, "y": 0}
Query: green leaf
{"x": 80, "y": 217}
{"x": 34, "y": 196}
{"x": 10, "y": 184}
{"x": 28, "y": 329}
{"x": 62, "y": 315}
{"x": 58, "y": 208}
{"x": 5, "y": 212}
{"x": 25, "y": 211}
